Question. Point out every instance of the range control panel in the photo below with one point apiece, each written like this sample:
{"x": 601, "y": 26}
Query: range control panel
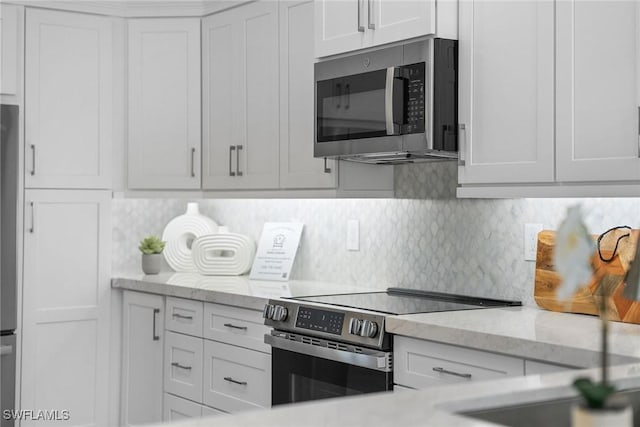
{"x": 339, "y": 324}
{"x": 316, "y": 319}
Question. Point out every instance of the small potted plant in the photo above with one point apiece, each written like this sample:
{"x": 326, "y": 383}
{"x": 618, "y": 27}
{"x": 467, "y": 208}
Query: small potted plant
{"x": 601, "y": 406}
{"x": 151, "y": 248}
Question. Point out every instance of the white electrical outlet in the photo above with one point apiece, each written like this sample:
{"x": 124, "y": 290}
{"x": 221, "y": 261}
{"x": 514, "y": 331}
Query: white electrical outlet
{"x": 531, "y": 241}
{"x": 353, "y": 235}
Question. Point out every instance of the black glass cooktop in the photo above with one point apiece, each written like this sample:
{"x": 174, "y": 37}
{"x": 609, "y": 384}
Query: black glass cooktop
{"x": 407, "y": 301}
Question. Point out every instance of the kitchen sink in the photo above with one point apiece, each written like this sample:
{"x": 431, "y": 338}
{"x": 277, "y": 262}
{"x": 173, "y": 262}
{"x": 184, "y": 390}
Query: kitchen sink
{"x": 544, "y": 413}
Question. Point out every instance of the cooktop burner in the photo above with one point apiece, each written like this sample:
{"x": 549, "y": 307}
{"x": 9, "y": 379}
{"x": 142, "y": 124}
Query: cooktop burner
{"x": 407, "y": 301}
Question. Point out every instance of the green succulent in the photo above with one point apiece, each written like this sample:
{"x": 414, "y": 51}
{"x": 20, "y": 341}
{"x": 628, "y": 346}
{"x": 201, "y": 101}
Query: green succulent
{"x": 151, "y": 245}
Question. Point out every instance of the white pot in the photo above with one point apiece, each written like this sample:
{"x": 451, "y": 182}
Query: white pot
{"x": 151, "y": 263}
{"x": 582, "y": 416}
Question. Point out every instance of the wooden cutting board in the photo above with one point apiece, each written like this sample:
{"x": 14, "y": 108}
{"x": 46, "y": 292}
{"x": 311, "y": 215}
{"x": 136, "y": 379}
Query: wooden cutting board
{"x": 587, "y": 299}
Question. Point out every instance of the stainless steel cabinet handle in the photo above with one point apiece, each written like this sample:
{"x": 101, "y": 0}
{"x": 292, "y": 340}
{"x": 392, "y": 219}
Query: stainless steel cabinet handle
{"x": 231, "y": 380}
{"x": 327, "y": 169}
{"x": 180, "y": 316}
{"x": 33, "y": 160}
{"x": 347, "y": 94}
{"x": 229, "y": 325}
{"x": 232, "y": 148}
{"x": 457, "y": 374}
{"x": 177, "y": 365}
{"x": 461, "y": 147}
{"x": 360, "y": 26}
{"x": 33, "y": 218}
{"x": 372, "y": 26}
{"x": 6, "y": 350}
{"x": 193, "y": 162}
{"x": 238, "y": 171}
{"x": 156, "y": 337}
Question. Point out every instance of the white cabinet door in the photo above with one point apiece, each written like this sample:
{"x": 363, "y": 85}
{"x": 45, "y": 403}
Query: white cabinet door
{"x": 339, "y": 26}
{"x": 164, "y": 103}
{"x": 177, "y": 408}
{"x": 298, "y": 167}
{"x": 506, "y": 91}
{"x": 236, "y": 379}
{"x": 240, "y": 104}
{"x": 142, "y": 338}
{"x": 66, "y": 304}
{"x": 347, "y": 25}
{"x": 598, "y": 90}
{"x": 11, "y": 27}
{"x": 394, "y": 20}
{"x": 183, "y": 366}
{"x": 69, "y": 100}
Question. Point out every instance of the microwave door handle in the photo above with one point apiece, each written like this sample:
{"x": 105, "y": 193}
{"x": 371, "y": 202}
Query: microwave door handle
{"x": 388, "y": 100}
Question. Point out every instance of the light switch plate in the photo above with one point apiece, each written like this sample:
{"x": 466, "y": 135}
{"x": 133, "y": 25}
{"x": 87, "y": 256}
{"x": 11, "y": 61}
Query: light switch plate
{"x": 353, "y": 235}
{"x": 531, "y": 241}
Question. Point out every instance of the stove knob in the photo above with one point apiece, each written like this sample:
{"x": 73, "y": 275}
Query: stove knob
{"x": 369, "y": 329}
{"x": 355, "y": 325}
{"x": 267, "y": 313}
{"x": 279, "y": 313}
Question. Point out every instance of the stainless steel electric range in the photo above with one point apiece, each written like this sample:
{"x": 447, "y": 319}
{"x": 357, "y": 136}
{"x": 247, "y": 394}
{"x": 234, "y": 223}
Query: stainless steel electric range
{"x": 335, "y": 345}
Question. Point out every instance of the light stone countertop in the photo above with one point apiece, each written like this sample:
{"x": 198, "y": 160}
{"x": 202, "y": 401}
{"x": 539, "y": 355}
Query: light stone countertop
{"x": 528, "y": 332}
{"x": 237, "y": 291}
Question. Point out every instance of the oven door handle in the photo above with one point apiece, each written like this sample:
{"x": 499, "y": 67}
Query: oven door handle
{"x": 376, "y": 360}
{"x": 388, "y": 100}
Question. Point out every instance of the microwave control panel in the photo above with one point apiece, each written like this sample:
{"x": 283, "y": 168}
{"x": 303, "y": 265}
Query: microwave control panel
{"x": 414, "y": 105}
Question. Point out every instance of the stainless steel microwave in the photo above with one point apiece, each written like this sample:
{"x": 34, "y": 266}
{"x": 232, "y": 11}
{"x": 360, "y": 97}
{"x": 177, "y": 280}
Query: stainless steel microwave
{"x": 394, "y": 105}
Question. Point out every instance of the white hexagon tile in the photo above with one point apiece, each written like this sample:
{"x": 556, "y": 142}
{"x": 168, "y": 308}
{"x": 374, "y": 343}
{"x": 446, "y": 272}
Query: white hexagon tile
{"x": 464, "y": 246}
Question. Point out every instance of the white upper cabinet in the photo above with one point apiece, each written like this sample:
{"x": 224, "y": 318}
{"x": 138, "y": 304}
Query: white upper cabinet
{"x": 347, "y": 25}
{"x": 164, "y": 103}
{"x": 598, "y": 90}
{"x": 69, "y": 100}
{"x": 11, "y": 28}
{"x": 506, "y": 97}
{"x": 240, "y": 98}
{"x": 298, "y": 167}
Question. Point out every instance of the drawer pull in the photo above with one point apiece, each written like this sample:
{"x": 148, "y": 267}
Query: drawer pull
{"x": 230, "y": 325}
{"x": 231, "y": 380}
{"x": 177, "y": 365}
{"x": 180, "y": 316}
{"x": 457, "y": 374}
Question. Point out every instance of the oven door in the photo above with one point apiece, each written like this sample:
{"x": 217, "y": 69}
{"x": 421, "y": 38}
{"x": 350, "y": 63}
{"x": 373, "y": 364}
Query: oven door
{"x": 305, "y": 368}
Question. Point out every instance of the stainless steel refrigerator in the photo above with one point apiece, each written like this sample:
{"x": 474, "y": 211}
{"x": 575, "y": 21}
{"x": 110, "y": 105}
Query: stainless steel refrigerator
{"x": 8, "y": 257}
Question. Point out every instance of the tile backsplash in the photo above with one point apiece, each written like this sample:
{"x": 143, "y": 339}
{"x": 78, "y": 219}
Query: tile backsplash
{"x": 465, "y": 246}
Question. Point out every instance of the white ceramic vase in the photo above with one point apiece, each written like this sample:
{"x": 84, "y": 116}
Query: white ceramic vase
{"x": 180, "y": 233}
{"x": 582, "y": 416}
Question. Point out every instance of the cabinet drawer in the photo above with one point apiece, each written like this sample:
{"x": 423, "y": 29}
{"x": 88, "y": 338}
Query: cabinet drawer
{"x": 237, "y": 326}
{"x": 420, "y": 364}
{"x": 176, "y": 408}
{"x": 236, "y": 379}
{"x": 184, "y": 316}
{"x": 183, "y": 366}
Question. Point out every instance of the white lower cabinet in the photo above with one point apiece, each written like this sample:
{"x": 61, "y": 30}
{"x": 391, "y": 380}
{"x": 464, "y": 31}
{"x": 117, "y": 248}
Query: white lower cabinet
{"x": 421, "y": 363}
{"x": 177, "y": 408}
{"x": 235, "y": 378}
{"x": 142, "y": 358}
{"x": 183, "y": 366}
{"x": 215, "y": 360}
